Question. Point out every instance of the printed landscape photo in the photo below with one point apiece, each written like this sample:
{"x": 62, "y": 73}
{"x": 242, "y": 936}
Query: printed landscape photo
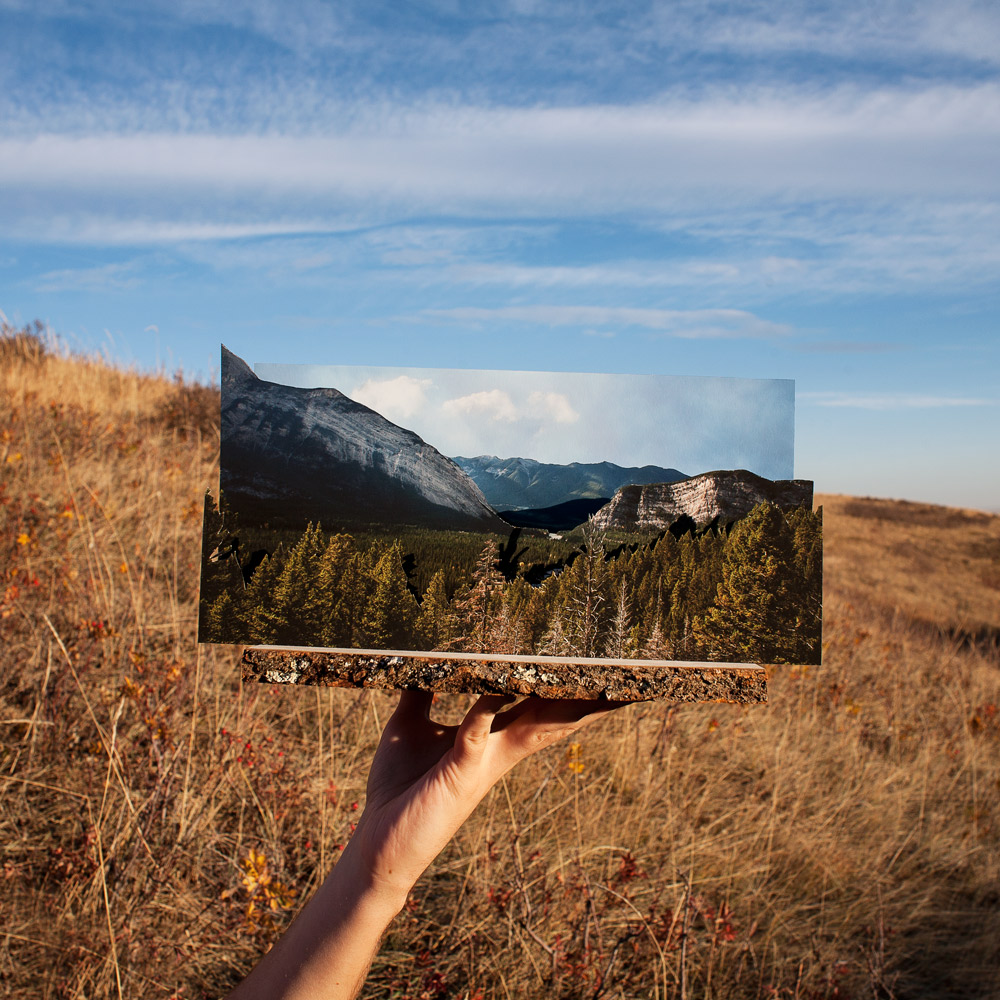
{"x": 449, "y": 511}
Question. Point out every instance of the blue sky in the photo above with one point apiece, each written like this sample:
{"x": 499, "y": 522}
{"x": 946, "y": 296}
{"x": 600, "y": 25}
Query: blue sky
{"x": 766, "y": 190}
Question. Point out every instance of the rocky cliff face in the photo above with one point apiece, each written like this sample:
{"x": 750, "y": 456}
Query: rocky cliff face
{"x": 292, "y": 455}
{"x": 523, "y": 483}
{"x": 724, "y": 495}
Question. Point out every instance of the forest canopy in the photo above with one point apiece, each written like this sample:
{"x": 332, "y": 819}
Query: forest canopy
{"x": 748, "y": 591}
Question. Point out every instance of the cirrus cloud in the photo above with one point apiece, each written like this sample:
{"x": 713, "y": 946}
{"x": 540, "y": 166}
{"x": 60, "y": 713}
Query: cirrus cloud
{"x": 691, "y": 324}
{"x": 893, "y": 400}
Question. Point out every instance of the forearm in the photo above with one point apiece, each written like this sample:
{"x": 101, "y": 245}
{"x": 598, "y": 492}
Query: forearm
{"x": 326, "y": 952}
{"x": 425, "y": 781}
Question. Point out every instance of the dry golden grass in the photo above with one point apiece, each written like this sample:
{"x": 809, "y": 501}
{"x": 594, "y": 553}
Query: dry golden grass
{"x": 938, "y": 565}
{"x": 160, "y": 824}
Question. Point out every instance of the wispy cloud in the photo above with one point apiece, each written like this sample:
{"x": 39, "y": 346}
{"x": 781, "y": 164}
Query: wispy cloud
{"x": 107, "y": 276}
{"x": 553, "y": 406}
{"x": 120, "y": 228}
{"x": 848, "y": 347}
{"x": 884, "y": 30}
{"x": 772, "y": 193}
{"x": 686, "y": 324}
{"x": 882, "y": 143}
{"x": 891, "y": 401}
{"x": 503, "y": 52}
{"x": 620, "y": 274}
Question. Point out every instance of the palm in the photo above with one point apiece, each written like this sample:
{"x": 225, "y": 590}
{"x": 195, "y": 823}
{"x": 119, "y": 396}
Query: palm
{"x": 409, "y": 750}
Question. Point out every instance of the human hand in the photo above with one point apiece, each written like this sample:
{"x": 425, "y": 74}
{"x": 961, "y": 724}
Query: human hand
{"x": 424, "y": 782}
{"x": 427, "y": 778}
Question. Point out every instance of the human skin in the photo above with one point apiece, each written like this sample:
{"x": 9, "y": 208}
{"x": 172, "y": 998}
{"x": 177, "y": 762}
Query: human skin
{"x": 425, "y": 781}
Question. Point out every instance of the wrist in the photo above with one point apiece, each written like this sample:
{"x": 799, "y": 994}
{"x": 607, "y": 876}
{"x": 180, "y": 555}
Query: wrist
{"x": 379, "y": 892}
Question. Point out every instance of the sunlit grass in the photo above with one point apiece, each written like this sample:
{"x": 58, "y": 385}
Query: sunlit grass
{"x": 159, "y": 823}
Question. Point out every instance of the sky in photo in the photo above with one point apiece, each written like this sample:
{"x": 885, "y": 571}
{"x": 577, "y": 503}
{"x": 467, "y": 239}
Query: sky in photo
{"x": 792, "y": 190}
{"x": 688, "y": 423}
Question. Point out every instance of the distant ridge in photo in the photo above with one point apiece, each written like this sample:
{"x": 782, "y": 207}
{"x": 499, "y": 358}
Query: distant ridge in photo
{"x": 521, "y": 483}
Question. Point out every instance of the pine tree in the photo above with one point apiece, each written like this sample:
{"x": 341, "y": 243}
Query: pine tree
{"x": 333, "y": 599}
{"x": 505, "y": 630}
{"x": 540, "y": 611}
{"x": 807, "y": 526}
{"x": 679, "y": 622}
{"x": 511, "y": 632}
{"x": 584, "y": 592}
{"x": 656, "y": 646}
{"x": 219, "y": 622}
{"x": 556, "y": 641}
{"x": 755, "y": 616}
{"x": 257, "y": 602}
{"x": 619, "y": 643}
{"x": 295, "y": 615}
{"x": 218, "y": 576}
{"x": 482, "y": 600}
{"x": 437, "y": 623}
{"x": 390, "y": 613}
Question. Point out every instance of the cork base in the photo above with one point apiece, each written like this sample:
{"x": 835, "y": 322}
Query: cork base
{"x": 549, "y": 677}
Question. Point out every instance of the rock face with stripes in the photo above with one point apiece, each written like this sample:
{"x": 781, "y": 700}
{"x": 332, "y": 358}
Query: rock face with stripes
{"x": 713, "y": 496}
{"x": 291, "y": 455}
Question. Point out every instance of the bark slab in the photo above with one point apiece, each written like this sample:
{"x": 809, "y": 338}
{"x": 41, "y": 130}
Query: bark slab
{"x": 562, "y": 677}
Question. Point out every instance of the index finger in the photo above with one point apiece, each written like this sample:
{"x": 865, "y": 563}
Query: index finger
{"x": 413, "y": 705}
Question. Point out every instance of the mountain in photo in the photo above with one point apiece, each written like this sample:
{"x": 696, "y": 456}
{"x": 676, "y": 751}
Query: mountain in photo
{"x": 712, "y": 496}
{"x": 293, "y": 455}
{"x": 523, "y": 483}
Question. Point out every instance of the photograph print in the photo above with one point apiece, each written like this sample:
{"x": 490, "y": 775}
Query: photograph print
{"x": 538, "y": 514}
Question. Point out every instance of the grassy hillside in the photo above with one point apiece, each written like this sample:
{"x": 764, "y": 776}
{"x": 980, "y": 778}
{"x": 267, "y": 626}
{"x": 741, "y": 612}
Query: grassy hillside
{"x": 159, "y": 823}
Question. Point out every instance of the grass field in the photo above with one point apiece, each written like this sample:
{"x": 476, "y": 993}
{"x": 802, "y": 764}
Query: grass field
{"x": 159, "y": 823}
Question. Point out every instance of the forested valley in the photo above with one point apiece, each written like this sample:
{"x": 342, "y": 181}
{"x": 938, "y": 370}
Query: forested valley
{"x": 751, "y": 591}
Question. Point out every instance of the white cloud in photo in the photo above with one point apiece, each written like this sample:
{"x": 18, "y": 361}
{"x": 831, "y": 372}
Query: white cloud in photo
{"x": 492, "y": 404}
{"x": 692, "y": 424}
{"x": 398, "y": 398}
{"x": 553, "y": 406}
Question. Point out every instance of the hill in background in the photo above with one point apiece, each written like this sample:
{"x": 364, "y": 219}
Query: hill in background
{"x": 161, "y": 822}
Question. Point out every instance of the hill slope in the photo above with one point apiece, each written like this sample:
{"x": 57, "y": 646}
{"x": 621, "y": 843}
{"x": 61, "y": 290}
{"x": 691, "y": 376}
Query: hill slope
{"x": 162, "y": 820}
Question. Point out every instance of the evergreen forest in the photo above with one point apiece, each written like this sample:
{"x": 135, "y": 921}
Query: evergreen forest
{"x": 750, "y": 591}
